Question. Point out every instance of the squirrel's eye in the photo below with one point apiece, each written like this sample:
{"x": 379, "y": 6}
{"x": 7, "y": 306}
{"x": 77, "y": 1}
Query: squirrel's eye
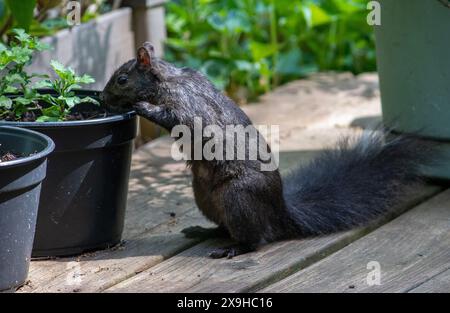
{"x": 122, "y": 80}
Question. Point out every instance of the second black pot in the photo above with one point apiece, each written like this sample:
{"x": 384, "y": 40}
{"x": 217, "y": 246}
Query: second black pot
{"x": 84, "y": 196}
{"x": 20, "y": 186}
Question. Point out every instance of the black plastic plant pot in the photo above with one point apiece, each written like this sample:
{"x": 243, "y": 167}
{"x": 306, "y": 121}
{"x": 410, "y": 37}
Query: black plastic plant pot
{"x": 83, "y": 199}
{"x": 20, "y": 187}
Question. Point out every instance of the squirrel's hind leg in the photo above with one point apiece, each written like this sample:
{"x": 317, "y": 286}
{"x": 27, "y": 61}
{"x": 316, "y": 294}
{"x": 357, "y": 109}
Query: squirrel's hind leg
{"x": 244, "y": 220}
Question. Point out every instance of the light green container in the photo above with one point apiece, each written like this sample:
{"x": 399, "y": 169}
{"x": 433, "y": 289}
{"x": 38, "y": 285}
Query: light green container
{"x": 413, "y": 55}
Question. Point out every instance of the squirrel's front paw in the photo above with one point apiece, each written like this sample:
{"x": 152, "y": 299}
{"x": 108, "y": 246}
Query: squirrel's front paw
{"x": 143, "y": 107}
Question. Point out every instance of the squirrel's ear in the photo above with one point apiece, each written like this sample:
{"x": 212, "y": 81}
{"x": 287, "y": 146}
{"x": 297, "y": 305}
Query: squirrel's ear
{"x": 145, "y": 55}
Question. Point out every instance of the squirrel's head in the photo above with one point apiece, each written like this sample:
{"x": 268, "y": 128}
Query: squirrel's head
{"x": 137, "y": 80}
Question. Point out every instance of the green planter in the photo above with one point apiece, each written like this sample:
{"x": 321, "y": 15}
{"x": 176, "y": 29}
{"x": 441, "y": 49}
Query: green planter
{"x": 413, "y": 49}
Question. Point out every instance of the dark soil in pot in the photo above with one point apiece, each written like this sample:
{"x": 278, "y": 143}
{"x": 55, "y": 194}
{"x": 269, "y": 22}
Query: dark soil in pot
{"x": 22, "y": 170}
{"x": 84, "y": 197}
{"x": 82, "y": 111}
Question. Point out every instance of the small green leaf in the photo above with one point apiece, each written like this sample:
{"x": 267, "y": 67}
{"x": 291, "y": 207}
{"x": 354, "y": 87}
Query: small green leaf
{"x": 48, "y": 99}
{"x": 47, "y": 119}
{"x": 53, "y": 111}
{"x": 20, "y": 34}
{"x": 89, "y": 100}
{"x": 14, "y": 79}
{"x": 85, "y": 79}
{"x": 43, "y": 84}
{"x": 23, "y": 100}
{"x": 63, "y": 72}
{"x": 5, "y": 102}
{"x": 11, "y": 89}
{"x": 72, "y": 101}
{"x": 19, "y": 109}
{"x": 72, "y": 87}
{"x": 20, "y": 55}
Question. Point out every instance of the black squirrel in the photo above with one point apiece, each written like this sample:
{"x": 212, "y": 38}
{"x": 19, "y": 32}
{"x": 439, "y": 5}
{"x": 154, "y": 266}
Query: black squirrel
{"x": 340, "y": 189}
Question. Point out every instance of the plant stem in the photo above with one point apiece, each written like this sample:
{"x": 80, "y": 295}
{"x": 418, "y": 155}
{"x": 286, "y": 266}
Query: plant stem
{"x": 224, "y": 44}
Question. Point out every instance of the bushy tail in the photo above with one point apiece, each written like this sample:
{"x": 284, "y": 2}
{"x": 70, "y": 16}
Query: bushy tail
{"x": 354, "y": 183}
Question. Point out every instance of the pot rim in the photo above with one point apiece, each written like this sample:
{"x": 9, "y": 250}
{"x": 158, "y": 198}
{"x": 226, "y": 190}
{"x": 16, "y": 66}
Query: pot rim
{"x": 31, "y": 158}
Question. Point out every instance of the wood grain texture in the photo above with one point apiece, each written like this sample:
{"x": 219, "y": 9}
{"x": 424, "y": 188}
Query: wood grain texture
{"x": 437, "y": 284}
{"x": 193, "y": 271}
{"x": 411, "y": 250}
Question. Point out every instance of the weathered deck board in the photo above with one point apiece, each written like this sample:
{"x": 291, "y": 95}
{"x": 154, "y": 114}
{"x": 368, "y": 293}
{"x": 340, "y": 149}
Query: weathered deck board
{"x": 410, "y": 250}
{"x": 106, "y": 268}
{"x": 437, "y": 284}
{"x": 191, "y": 271}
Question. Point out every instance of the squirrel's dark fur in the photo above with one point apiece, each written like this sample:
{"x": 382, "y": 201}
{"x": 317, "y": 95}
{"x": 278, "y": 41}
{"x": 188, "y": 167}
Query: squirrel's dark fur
{"x": 342, "y": 188}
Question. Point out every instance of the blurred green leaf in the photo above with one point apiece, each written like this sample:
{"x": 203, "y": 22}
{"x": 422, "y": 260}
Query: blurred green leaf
{"x": 289, "y": 62}
{"x": 22, "y": 11}
{"x": 261, "y": 50}
{"x": 350, "y": 6}
{"x": 316, "y": 16}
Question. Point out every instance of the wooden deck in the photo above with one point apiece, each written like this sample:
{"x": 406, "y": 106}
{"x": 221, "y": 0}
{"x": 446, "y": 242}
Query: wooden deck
{"x": 411, "y": 246}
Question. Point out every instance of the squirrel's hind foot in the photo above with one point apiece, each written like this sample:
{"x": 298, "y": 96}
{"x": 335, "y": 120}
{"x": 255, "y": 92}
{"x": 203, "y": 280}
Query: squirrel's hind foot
{"x": 230, "y": 252}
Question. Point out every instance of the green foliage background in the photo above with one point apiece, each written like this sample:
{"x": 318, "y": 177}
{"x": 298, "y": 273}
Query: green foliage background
{"x": 247, "y": 47}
